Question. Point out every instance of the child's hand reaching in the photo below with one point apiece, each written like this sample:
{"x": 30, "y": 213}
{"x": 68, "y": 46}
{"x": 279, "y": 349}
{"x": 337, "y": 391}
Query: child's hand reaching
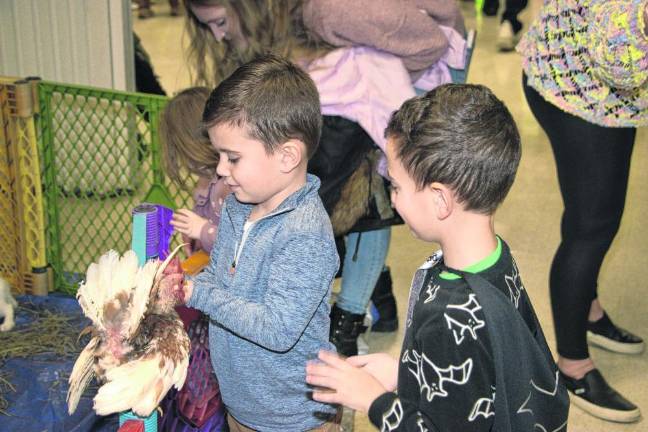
{"x": 381, "y": 366}
{"x": 188, "y": 223}
{"x": 340, "y": 382}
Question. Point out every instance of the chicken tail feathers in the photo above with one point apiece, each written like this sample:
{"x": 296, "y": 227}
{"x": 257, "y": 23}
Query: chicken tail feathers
{"x": 139, "y": 385}
{"x": 104, "y": 280}
{"x": 82, "y": 374}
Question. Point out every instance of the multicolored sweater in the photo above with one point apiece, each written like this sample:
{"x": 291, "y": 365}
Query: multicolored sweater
{"x": 590, "y": 59}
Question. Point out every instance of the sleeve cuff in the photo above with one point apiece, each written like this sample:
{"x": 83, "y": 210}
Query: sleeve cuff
{"x": 208, "y": 236}
{"x": 194, "y": 300}
{"x": 380, "y": 406}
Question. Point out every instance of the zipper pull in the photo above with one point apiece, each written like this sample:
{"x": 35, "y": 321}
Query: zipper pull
{"x": 232, "y": 268}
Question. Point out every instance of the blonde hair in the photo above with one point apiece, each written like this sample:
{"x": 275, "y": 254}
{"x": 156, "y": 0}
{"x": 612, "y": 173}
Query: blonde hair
{"x": 184, "y": 143}
{"x": 269, "y": 26}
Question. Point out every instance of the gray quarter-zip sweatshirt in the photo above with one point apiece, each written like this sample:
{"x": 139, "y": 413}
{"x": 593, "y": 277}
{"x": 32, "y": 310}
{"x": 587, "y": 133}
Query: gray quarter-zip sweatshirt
{"x": 269, "y": 309}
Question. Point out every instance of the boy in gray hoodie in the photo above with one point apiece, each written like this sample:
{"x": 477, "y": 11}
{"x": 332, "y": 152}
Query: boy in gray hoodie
{"x": 268, "y": 283}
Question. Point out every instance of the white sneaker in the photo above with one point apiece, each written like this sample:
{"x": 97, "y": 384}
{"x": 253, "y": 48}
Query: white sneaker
{"x": 507, "y": 38}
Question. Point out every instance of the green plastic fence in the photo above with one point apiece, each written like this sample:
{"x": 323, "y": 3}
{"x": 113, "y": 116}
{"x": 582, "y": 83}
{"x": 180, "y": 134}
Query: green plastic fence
{"x": 101, "y": 157}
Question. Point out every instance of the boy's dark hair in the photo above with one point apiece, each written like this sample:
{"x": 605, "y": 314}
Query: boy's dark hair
{"x": 273, "y": 99}
{"x": 462, "y": 136}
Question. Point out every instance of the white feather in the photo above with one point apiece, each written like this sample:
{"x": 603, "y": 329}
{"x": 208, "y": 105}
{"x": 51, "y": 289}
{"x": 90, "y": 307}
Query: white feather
{"x": 124, "y": 386}
{"x": 123, "y": 279}
{"x": 89, "y": 297}
{"x": 133, "y": 386}
{"x": 82, "y": 374}
{"x": 104, "y": 280}
{"x": 143, "y": 285}
{"x": 107, "y": 265}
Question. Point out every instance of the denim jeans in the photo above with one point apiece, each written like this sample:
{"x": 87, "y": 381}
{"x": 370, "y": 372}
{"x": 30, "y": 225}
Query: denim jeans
{"x": 363, "y": 263}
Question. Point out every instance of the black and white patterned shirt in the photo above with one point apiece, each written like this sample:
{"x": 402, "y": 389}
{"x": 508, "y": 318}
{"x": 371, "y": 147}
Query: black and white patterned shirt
{"x": 446, "y": 377}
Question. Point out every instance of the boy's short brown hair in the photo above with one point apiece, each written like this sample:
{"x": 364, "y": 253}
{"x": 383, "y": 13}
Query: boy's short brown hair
{"x": 273, "y": 99}
{"x": 462, "y": 136}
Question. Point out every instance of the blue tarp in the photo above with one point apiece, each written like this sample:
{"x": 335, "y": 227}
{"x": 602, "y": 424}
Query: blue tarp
{"x": 41, "y": 382}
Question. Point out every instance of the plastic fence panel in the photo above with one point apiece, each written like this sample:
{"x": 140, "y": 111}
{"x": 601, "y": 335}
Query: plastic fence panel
{"x": 30, "y": 193}
{"x": 10, "y": 268}
{"x": 101, "y": 157}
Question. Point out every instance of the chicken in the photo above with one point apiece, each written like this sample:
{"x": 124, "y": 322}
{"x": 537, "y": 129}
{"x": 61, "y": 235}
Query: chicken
{"x": 7, "y": 306}
{"x": 139, "y": 347}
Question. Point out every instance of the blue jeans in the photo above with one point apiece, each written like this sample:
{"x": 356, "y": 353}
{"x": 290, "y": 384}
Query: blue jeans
{"x": 359, "y": 275}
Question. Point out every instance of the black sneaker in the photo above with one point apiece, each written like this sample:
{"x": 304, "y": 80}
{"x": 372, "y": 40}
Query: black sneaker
{"x": 593, "y": 395}
{"x": 604, "y": 334}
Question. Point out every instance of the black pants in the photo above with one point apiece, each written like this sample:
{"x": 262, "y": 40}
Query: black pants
{"x": 511, "y": 11}
{"x": 593, "y": 163}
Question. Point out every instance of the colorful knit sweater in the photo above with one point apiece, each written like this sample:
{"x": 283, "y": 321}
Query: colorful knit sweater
{"x": 590, "y": 59}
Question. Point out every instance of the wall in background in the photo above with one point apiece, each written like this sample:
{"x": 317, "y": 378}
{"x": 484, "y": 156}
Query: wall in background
{"x": 72, "y": 41}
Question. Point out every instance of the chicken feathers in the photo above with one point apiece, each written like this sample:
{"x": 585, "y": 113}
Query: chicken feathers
{"x": 139, "y": 348}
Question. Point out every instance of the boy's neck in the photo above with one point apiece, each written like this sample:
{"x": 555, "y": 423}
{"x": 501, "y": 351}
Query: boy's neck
{"x": 265, "y": 208}
{"x": 469, "y": 241}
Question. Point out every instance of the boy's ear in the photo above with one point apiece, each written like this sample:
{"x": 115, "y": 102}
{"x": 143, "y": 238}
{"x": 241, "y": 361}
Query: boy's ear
{"x": 443, "y": 200}
{"x": 291, "y": 154}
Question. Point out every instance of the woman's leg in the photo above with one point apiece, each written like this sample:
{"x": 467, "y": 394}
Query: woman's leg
{"x": 511, "y": 12}
{"x": 510, "y": 26}
{"x": 593, "y": 164}
{"x": 144, "y": 9}
{"x": 363, "y": 263}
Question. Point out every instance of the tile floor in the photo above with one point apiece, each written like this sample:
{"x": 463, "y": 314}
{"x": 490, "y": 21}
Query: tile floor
{"x": 528, "y": 220}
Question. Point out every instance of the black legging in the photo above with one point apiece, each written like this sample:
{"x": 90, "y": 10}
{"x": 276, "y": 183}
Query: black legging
{"x": 513, "y": 9}
{"x": 593, "y": 163}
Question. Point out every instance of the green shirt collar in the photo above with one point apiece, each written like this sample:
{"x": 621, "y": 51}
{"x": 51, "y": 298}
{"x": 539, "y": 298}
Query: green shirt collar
{"x": 479, "y": 266}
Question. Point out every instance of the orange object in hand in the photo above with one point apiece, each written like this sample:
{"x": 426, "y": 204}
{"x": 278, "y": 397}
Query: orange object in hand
{"x": 195, "y": 263}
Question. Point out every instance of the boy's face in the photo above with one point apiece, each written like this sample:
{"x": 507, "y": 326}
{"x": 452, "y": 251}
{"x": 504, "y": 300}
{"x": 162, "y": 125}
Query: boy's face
{"x": 253, "y": 175}
{"x": 416, "y": 207}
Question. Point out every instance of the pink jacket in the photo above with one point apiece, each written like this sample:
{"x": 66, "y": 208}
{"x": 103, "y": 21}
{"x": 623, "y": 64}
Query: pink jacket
{"x": 208, "y": 204}
{"x": 408, "y": 29}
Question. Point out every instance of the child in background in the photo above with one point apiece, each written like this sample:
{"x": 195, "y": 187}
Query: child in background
{"x": 452, "y": 155}
{"x": 268, "y": 283}
{"x": 186, "y": 150}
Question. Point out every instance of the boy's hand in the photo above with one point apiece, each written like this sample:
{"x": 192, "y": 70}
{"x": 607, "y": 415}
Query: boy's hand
{"x": 381, "y": 366}
{"x": 188, "y": 223}
{"x": 172, "y": 285}
{"x": 339, "y": 382}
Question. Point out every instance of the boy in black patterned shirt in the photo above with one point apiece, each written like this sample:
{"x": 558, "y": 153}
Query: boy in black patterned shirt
{"x": 452, "y": 157}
